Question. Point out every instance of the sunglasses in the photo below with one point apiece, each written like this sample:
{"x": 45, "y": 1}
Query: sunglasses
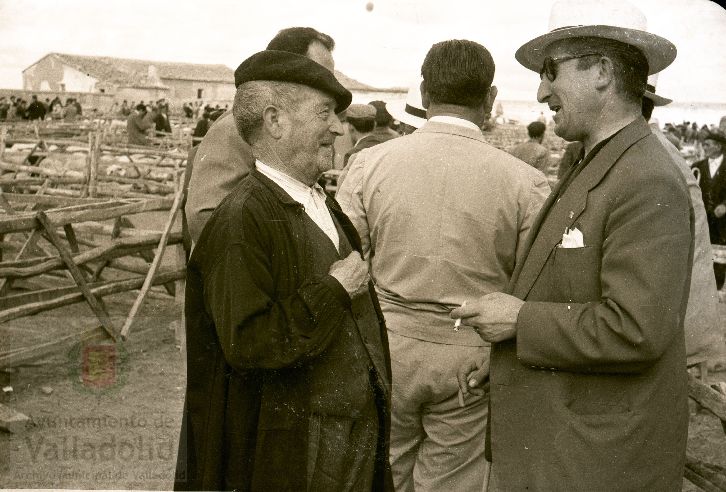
{"x": 549, "y": 66}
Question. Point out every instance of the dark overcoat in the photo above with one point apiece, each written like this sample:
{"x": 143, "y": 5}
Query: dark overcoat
{"x": 258, "y": 322}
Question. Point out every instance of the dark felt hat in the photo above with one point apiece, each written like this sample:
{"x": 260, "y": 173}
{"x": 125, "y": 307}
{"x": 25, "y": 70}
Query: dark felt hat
{"x": 282, "y": 66}
{"x": 716, "y": 136}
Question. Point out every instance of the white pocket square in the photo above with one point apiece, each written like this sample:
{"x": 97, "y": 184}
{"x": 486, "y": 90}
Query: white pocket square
{"x": 572, "y": 238}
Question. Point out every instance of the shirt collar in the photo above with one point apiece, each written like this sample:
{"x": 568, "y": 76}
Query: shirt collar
{"x": 454, "y": 120}
{"x": 716, "y": 161}
{"x": 286, "y": 182}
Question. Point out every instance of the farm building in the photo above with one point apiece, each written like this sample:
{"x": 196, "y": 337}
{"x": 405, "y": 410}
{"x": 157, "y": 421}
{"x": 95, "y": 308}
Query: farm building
{"x": 130, "y": 79}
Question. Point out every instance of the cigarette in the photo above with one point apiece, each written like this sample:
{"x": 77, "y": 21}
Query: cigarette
{"x": 461, "y": 399}
{"x": 457, "y": 321}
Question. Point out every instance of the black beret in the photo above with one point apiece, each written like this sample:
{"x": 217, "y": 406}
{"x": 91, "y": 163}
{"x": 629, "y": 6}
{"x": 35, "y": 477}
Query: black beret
{"x": 283, "y": 66}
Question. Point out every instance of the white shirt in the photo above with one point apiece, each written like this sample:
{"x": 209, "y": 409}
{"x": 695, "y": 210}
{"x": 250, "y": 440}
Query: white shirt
{"x": 714, "y": 164}
{"x": 453, "y": 120}
{"x": 311, "y": 198}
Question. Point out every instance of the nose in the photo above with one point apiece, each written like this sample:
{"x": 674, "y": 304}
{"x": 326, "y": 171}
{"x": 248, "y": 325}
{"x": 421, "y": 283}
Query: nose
{"x": 336, "y": 126}
{"x": 543, "y": 91}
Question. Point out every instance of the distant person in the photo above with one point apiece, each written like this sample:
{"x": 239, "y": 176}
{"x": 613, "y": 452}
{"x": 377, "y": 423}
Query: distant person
{"x": 361, "y": 121}
{"x": 161, "y": 121}
{"x": 137, "y": 124}
{"x": 70, "y": 111}
{"x": 4, "y": 107}
{"x": 56, "y": 109}
{"x": 36, "y": 110}
{"x": 125, "y": 109}
{"x": 223, "y": 157}
{"x": 712, "y": 180}
{"x": 383, "y": 131}
{"x": 201, "y": 129}
{"x": 499, "y": 113}
{"x": 20, "y": 109}
{"x": 532, "y": 151}
{"x": 187, "y": 109}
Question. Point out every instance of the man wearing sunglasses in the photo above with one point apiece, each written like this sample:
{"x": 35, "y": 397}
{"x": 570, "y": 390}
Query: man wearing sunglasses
{"x": 587, "y": 374}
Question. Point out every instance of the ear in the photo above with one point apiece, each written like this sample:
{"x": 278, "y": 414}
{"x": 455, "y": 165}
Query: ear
{"x": 605, "y": 75}
{"x": 489, "y": 100}
{"x": 272, "y": 122}
{"x": 425, "y": 100}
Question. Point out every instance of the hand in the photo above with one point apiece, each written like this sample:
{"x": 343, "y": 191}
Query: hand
{"x": 720, "y": 210}
{"x": 493, "y": 316}
{"x": 473, "y": 373}
{"x": 352, "y": 273}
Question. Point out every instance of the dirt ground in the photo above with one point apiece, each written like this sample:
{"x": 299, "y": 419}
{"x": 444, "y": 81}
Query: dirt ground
{"x": 111, "y": 418}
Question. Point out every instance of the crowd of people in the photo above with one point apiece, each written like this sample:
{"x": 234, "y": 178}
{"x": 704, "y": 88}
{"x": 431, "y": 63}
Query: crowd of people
{"x": 447, "y": 321}
{"x": 15, "y": 108}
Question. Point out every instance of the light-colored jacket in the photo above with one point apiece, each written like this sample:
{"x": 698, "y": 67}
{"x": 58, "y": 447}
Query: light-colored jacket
{"x": 442, "y": 216}
{"x": 533, "y": 153}
{"x": 223, "y": 158}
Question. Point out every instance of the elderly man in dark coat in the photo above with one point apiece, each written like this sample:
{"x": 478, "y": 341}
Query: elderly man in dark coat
{"x": 287, "y": 357}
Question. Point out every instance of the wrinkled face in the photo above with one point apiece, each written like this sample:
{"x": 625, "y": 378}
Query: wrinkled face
{"x": 311, "y": 128}
{"x": 318, "y": 53}
{"x": 571, "y": 95}
{"x": 712, "y": 149}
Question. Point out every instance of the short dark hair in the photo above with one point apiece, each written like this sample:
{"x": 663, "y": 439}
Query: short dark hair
{"x": 629, "y": 63}
{"x": 298, "y": 39}
{"x": 536, "y": 129}
{"x": 458, "y": 72}
{"x": 363, "y": 125}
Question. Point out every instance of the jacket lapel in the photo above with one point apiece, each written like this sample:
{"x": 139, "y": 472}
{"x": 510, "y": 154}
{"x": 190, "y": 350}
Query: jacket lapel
{"x": 348, "y": 228}
{"x": 557, "y": 215}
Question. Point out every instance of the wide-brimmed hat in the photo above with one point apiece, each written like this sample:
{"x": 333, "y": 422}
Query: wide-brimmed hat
{"x": 412, "y": 111}
{"x": 650, "y": 92}
{"x": 282, "y": 66}
{"x": 612, "y": 19}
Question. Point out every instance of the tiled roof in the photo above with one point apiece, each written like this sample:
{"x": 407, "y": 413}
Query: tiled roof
{"x": 137, "y": 73}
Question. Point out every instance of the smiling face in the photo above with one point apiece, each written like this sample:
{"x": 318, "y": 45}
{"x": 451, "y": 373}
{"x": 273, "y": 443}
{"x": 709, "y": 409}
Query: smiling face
{"x": 310, "y": 130}
{"x": 571, "y": 95}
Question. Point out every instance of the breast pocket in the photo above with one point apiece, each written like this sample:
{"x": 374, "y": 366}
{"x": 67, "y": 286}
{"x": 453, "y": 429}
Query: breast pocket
{"x": 577, "y": 273}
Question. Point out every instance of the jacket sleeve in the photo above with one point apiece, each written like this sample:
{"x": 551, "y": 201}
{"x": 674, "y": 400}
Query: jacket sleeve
{"x": 644, "y": 277}
{"x": 350, "y": 198}
{"x": 257, "y": 330}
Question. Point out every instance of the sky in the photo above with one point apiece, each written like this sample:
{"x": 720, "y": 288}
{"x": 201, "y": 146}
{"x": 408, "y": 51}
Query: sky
{"x": 383, "y": 47}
